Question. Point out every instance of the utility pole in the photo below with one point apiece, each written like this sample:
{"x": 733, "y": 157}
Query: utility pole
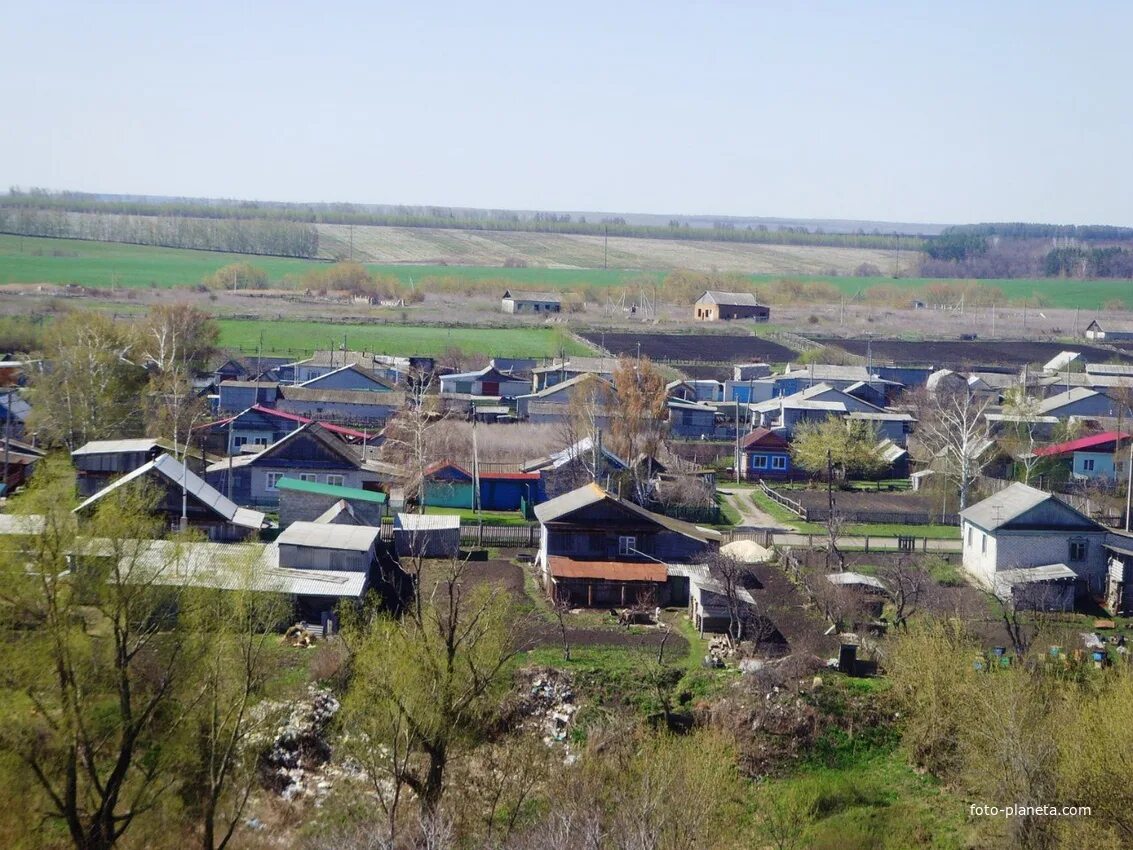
{"x": 231, "y": 449}
{"x": 1129, "y": 485}
{"x": 737, "y": 457}
{"x": 7, "y": 440}
{"x": 605, "y": 246}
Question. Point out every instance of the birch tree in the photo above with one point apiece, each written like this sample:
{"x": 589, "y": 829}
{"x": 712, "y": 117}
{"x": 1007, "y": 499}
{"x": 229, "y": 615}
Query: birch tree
{"x": 953, "y": 431}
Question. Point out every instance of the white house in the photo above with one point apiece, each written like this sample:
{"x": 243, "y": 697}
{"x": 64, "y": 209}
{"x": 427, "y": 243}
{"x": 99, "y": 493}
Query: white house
{"x": 1025, "y": 536}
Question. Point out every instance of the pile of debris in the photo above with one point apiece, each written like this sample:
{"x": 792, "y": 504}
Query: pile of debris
{"x": 298, "y": 635}
{"x": 291, "y": 763}
{"x": 719, "y": 648}
{"x": 547, "y": 706}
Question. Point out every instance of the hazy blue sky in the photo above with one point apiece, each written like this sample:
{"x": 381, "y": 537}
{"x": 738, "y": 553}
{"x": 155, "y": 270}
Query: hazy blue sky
{"x": 905, "y": 111}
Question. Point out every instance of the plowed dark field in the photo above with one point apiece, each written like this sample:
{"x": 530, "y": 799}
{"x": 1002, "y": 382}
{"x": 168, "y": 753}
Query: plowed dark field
{"x": 709, "y": 348}
{"x": 960, "y": 354}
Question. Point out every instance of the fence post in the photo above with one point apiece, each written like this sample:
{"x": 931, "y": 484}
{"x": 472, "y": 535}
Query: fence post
{"x": 924, "y": 545}
{"x": 867, "y": 543}
{"x": 480, "y": 535}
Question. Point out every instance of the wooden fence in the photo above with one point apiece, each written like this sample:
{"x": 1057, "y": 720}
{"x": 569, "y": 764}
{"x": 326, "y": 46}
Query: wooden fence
{"x": 788, "y": 503}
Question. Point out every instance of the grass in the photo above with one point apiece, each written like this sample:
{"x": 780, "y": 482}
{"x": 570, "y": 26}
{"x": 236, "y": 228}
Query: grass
{"x": 103, "y": 264}
{"x": 470, "y": 517}
{"x": 296, "y": 337}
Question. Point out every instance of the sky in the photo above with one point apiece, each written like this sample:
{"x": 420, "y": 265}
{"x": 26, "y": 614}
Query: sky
{"x": 905, "y": 111}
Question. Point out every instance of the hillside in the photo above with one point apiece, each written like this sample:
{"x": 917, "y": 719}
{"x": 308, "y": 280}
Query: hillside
{"x": 437, "y": 246}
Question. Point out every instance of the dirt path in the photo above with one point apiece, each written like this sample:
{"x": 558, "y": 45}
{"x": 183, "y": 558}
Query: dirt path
{"x": 751, "y": 517}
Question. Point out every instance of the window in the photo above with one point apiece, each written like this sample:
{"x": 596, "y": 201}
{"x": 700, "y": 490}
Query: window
{"x": 778, "y": 462}
{"x": 627, "y": 545}
{"x": 238, "y": 441}
{"x": 969, "y": 535}
{"x": 759, "y": 461}
{"x": 336, "y": 480}
{"x": 1078, "y": 550}
{"x": 273, "y": 480}
{"x": 308, "y": 476}
{"x": 260, "y": 441}
{"x": 1088, "y": 464}
{"x": 983, "y": 544}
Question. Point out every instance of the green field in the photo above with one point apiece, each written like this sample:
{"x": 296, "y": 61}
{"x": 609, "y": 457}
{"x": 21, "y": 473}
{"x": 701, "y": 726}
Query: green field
{"x": 101, "y": 264}
{"x": 297, "y": 337}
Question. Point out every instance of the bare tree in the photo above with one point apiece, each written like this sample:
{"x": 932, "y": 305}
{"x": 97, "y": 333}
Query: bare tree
{"x": 907, "y": 583}
{"x": 409, "y": 436}
{"x": 953, "y": 431}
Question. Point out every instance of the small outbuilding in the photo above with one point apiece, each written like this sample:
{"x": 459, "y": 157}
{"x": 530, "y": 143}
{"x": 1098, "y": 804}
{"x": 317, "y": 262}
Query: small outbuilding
{"x": 531, "y": 303}
{"x": 714, "y": 306}
{"x": 426, "y": 535}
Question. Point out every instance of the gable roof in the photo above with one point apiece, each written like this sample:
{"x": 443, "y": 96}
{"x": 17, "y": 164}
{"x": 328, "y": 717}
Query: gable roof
{"x": 765, "y": 438}
{"x": 562, "y": 457}
{"x": 1082, "y": 444}
{"x": 1011, "y": 503}
{"x": 459, "y": 472}
{"x": 522, "y": 295}
{"x": 1075, "y": 394}
{"x": 354, "y": 368}
{"x": 569, "y": 384}
{"x": 349, "y": 454}
{"x": 177, "y": 474}
{"x": 563, "y": 506}
{"x": 728, "y": 299}
{"x": 351, "y": 433}
{"x": 318, "y": 535}
{"x": 370, "y": 398}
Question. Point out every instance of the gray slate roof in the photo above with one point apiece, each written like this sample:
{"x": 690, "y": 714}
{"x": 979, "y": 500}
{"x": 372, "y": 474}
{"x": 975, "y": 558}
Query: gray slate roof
{"x": 728, "y": 299}
{"x": 316, "y": 535}
{"x": 1008, "y": 504}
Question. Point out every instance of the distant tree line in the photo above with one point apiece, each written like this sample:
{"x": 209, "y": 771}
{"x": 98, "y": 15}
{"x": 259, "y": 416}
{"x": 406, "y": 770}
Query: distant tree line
{"x": 233, "y": 235}
{"x": 74, "y": 202}
{"x": 1110, "y": 261}
{"x": 1023, "y": 230}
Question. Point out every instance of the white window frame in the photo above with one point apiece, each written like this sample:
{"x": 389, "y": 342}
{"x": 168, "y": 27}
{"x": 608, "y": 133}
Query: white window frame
{"x": 1087, "y": 464}
{"x": 273, "y": 480}
{"x": 759, "y": 461}
{"x": 336, "y": 480}
{"x": 627, "y": 544}
{"x": 778, "y": 462}
{"x": 309, "y": 477}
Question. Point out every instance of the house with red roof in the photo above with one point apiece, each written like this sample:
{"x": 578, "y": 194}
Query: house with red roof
{"x": 1095, "y": 457}
{"x": 765, "y": 454}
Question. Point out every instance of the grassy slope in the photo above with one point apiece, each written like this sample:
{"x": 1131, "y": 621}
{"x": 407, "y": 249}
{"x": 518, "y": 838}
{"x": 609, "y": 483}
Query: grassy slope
{"x": 31, "y": 260}
{"x": 292, "y": 336}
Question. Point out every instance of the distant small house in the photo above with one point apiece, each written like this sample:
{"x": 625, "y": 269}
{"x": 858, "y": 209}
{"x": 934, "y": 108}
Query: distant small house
{"x": 426, "y": 535}
{"x": 765, "y": 454}
{"x": 691, "y": 420}
{"x": 551, "y": 404}
{"x": 1108, "y": 333}
{"x": 1027, "y": 543}
{"x": 358, "y": 407}
{"x": 569, "y": 468}
{"x": 449, "y": 485}
{"x": 240, "y": 395}
{"x": 182, "y": 490}
{"x": 597, "y": 550}
{"x": 715, "y": 306}
{"x": 532, "y": 303}
{"x": 1080, "y": 401}
{"x": 259, "y": 426}
{"x": 558, "y": 371}
{"x": 14, "y": 412}
{"x": 349, "y": 377}
{"x": 19, "y": 460}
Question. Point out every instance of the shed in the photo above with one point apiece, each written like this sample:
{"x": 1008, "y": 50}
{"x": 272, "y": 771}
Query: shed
{"x": 301, "y": 500}
{"x": 714, "y": 306}
{"x": 534, "y": 303}
{"x": 327, "y": 546}
{"x": 426, "y": 535}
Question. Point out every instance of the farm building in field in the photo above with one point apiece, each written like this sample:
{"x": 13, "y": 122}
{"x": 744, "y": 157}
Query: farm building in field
{"x": 597, "y": 550}
{"x": 715, "y": 306}
{"x": 181, "y": 492}
{"x": 1108, "y": 333}
{"x": 426, "y": 535}
{"x": 530, "y": 303}
{"x": 1024, "y": 542}
{"x": 308, "y": 500}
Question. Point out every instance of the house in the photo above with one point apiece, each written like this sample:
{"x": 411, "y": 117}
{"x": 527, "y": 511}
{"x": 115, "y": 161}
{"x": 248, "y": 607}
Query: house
{"x": 551, "y": 404}
{"x": 813, "y": 404}
{"x": 714, "y": 306}
{"x": 358, "y": 407}
{"x": 98, "y": 462}
{"x": 597, "y": 550}
{"x": 896, "y": 458}
{"x": 14, "y": 412}
{"x": 488, "y": 381}
{"x": 426, "y": 535}
{"x": 558, "y": 371}
{"x": 186, "y": 500}
{"x": 583, "y": 461}
{"x": 308, "y": 500}
{"x": 1020, "y": 529}
{"x": 240, "y": 395}
{"x": 794, "y": 380}
{"x": 1108, "y": 333}
{"x": 450, "y": 485}
{"x": 323, "y": 362}
{"x": 349, "y": 377}
{"x": 888, "y": 425}
{"x": 310, "y": 453}
{"x": 691, "y": 420}
{"x": 1096, "y": 457}
{"x": 18, "y": 460}
{"x": 328, "y": 546}
{"x": 259, "y": 426}
{"x": 765, "y": 454}
{"x": 1080, "y": 401}
{"x": 530, "y": 303}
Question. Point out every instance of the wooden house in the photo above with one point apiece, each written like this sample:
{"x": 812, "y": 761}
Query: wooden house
{"x": 597, "y": 550}
{"x": 99, "y": 462}
{"x": 765, "y": 454}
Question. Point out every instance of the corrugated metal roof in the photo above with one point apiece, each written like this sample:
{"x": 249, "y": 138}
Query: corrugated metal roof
{"x": 1082, "y": 443}
{"x": 426, "y": 522}
{"x": 851, "y": 579}
{"x": 999, "y": 509}
{"x": 1063, "y": 399}
{"x": 522, "y": 295}
{"x": 728, "y": 299}
{"x": 1031, "y": 575}
{"x": 300, "y": 486}
{"x": 591, "y": 494}
{"x": 331, "y": 514}
{"x": 563, "y": 567}
{"x": 350, "y": 538}
{"x": 203, "y": 493}
{"x": 102, "y": 447}
{"x": 22, "y": 524}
